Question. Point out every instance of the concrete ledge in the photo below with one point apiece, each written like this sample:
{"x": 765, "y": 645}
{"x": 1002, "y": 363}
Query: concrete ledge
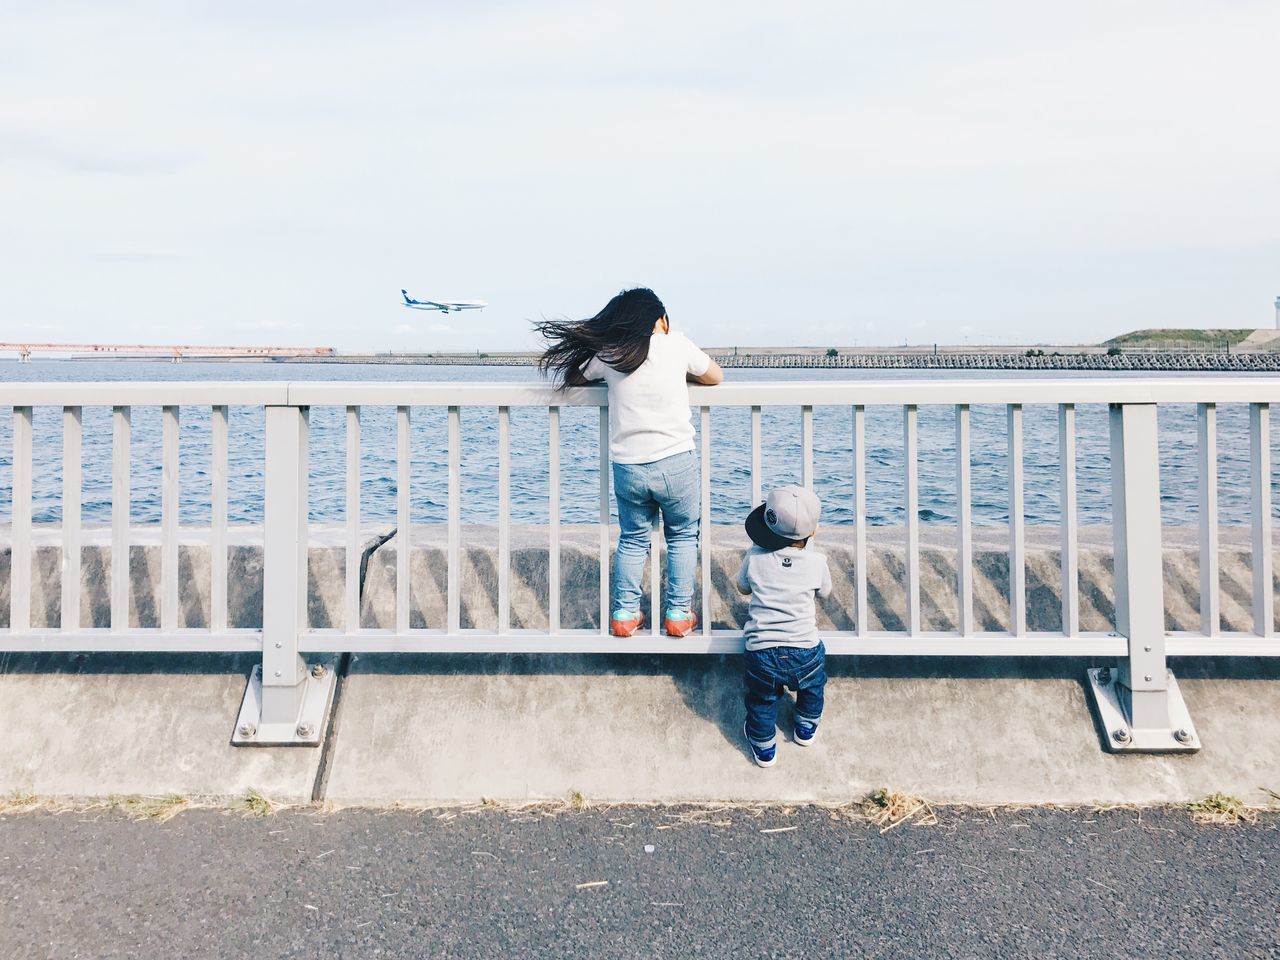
{"x": 77, "y": 725}
{"x": 418, "y": 729}
{"x": 326, "y": 575}
{"x": 580, "y": 578}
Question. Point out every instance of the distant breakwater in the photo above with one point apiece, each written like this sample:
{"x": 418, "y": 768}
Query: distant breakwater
{"x": 1261, "y": 362}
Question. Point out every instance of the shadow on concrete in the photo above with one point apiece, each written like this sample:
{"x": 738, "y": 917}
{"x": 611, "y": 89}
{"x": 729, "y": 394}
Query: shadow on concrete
{"x": 89, "y": 664}
{"x": 692, "y": 672}
{"x": 711, "y": 686}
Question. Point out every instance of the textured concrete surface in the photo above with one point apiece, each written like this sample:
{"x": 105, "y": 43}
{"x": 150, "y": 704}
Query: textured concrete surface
{"x": 580, "y": 575}
{"x": 326, "y": 563}
{"x": 459, "y": 728}
{"x": 663, "y": 883}
{"x": 991, "y": 731}
{"x": 145, "y": 724}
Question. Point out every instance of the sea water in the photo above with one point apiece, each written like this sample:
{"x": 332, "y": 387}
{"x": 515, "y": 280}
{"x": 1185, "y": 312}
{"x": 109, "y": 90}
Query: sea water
{"x": 579, "y": 503}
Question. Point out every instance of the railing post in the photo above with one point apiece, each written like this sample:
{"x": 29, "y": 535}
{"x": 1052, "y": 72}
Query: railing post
{"x": 287, "y": 701}
{"x": 1139, "y": 703}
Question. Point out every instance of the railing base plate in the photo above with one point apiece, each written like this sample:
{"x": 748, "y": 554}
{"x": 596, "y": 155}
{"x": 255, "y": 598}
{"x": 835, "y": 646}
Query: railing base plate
{"x": 1119, "y": 734}
{"x": 315, "y": 697}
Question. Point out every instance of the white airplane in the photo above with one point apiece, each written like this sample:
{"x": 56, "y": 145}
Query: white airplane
{"x": 444, "y": 306}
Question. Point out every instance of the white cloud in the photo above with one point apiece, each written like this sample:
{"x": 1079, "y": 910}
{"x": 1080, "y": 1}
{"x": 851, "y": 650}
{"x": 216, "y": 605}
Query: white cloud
{"x": 929, "y": 166}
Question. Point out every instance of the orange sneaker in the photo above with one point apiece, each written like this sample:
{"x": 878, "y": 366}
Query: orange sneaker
{"x": 681, "y": 625}
{"x": 626, "y": 622}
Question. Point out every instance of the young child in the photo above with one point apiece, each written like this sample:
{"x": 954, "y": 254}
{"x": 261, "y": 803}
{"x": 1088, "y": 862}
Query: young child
{"x": 630, "y": 346}
{"x": 782, "y": 573}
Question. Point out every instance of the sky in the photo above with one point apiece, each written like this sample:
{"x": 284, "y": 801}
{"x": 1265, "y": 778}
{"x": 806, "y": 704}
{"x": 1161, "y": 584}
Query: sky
{"x": 805, "y": 173}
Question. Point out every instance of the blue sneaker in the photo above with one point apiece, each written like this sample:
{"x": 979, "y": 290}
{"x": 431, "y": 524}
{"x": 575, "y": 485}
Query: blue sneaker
{"x": 763, "y": 756}
{"x": 804, "y": 732}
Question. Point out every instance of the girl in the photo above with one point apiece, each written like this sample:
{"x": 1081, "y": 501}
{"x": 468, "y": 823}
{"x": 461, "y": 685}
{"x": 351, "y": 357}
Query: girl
{"x": 629, "y": 345}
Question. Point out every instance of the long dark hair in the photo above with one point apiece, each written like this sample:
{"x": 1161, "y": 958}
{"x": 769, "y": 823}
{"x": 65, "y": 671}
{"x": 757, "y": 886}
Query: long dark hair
{"x": 619, "y": 334}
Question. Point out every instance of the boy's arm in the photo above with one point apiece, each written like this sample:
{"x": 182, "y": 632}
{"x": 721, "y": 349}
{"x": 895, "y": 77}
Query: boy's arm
{"x": 825, "y": 589}
{"x": 740, "y": 581}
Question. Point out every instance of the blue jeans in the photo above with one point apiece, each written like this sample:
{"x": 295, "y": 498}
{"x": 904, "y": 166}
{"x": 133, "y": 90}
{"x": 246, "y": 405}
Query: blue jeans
{"x": 669, "y": 486}
{"x": 768, "y": 671}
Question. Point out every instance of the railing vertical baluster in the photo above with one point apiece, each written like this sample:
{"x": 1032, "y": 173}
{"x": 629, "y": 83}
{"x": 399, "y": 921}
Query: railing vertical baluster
{"x": 20, "y": 550}
{"x": 1260, "y": 497}
{"x": 404, "y": 519}
{"x": 169, "y": 506}
{"x": 1017, "y": 533}
{"x": 1207, "y": 450}
{"x": 351, "y": 594}
{"x": 121, "y": 430}
{"x": 1139, "y": 704}
{"x": 504, "y": 519}
{"x": 284, "y": 577}
{"x": 964, "y": 523}
{"x": 604, "y": 520}
{"x": 756, "y": 479}
{"x": 218, "y": 520}
{"x": 806, "y": 447}
{"x": 1068, "y": 547}
{"x": 553, "y": 519}
{"x": 911, "y": 489}
{"x": 705, "y": 522}
{"x": 861, "y": 606}
{"x": 454, "y": 577}
{"x": 71, "y": 499}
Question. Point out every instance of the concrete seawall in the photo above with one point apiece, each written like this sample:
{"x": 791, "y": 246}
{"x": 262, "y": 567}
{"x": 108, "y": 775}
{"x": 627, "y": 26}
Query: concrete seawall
{"x": 580, "y": 572}
{"x": 444, "y": 728}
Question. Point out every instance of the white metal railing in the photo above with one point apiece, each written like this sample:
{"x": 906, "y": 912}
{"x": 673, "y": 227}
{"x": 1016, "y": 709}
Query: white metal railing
{"x": 285, "y": 636}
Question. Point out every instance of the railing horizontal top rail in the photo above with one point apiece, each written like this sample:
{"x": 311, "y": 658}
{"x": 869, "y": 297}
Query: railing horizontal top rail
{"x": 1025, "y": 390}
{"x": 249, "y": 393}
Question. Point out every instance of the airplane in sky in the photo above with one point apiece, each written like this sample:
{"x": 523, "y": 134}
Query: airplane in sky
{"x": 444, "y": 306}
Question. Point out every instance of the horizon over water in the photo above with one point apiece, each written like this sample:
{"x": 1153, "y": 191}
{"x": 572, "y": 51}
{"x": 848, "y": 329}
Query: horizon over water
{"x": 731, "y": 456}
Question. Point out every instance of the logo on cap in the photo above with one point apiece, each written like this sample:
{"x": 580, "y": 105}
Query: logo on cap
{"x": 770, "y": 517}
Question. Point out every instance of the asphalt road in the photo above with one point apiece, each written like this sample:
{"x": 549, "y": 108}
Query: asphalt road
{"x": 494, "y": 884}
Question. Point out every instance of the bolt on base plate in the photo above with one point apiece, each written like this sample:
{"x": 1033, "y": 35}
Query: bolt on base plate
{"x": 1122, "y": 737}
{"x": 306, "y": 729}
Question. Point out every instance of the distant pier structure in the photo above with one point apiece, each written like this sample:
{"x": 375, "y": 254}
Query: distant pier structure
{"x": 177, "y": 352}
{"x": 1278, "y": 313}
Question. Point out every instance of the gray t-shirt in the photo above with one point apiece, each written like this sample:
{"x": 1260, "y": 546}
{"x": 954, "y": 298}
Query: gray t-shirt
{"x": 782, "y": 584}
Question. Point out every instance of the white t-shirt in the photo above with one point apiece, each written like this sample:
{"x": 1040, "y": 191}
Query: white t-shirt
{"x": 649, "y": 415}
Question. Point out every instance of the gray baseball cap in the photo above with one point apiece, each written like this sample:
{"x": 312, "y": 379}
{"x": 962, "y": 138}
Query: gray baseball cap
{"x": 787, "y": 514}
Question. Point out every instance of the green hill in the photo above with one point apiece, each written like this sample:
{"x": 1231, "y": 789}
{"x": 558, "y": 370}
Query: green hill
{"x": 1141, "y": 338}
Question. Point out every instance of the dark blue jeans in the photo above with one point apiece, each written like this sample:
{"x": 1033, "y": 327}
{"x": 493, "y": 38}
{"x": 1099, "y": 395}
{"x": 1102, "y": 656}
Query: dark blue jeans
{"x": 768, "y": 671}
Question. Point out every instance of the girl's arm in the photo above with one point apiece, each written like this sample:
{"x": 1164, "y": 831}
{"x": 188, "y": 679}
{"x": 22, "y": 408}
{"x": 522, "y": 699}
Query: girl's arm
{"x": 588, "y": 373}
{"x": 574, "y": 378}
{"x": 711, "y": 377}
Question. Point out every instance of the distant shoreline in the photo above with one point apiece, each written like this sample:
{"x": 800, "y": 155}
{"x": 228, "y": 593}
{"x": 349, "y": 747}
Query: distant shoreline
{"x": 908, "y": 358}
{"x": 944, "y": 359}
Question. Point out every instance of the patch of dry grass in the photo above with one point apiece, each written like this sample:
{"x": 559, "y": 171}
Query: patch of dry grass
{"x": 17, "y": 802}
{"x": 257, "y": 804}
{"x": 885, "y": 809}
{"x": 159, "y": 809}
{"x": 1222, "y": 809}
{"x": 888, "y": 809}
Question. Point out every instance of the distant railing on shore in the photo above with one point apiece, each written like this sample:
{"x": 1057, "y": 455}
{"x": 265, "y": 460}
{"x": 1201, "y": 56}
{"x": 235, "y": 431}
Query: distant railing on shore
{"x": 1140, "y": 689}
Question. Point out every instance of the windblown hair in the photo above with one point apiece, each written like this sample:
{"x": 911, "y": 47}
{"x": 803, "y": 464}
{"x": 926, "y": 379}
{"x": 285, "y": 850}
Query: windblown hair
{"x": 619, "y": 334}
